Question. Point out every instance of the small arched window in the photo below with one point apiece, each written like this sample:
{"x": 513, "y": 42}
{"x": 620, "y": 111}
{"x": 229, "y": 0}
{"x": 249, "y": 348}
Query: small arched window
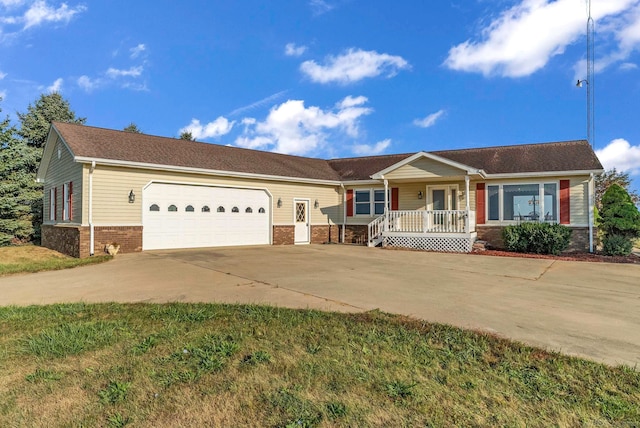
{"x": 235, "y": 210}
{"x": 248, "y": 210}
{"x": 220, "y": 209}
{"x": 206, "y": 209}
{"x": 261, "y": 210}
{"x": 154, "y": 207}
{"x": 189, "y": 209}
{"x": 172, "y": 208}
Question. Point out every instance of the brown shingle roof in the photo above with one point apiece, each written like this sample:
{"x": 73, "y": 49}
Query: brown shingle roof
{"x": 561, "y": 156}
{"x": 100, "y": 143}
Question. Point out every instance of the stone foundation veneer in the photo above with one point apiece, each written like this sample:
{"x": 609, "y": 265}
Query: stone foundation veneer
{"x": 74, "y": 240}
{"x": 579, "y": 238}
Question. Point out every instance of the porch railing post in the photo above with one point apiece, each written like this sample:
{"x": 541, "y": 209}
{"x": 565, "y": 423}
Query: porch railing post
{"x": 386, "y": 205}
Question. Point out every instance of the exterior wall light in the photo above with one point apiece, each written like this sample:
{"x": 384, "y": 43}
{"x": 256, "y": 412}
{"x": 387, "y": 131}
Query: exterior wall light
{"x": 316, "y": 204}
{"x": 279, "y": 203}
{"x": 132, "y": 197}
{"x": 420, "y": 194}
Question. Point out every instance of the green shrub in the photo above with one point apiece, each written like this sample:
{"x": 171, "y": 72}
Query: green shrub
{"x": 617, "y": 245}
{"x": 619, "y": 215}
{"x": 539, "y": 238}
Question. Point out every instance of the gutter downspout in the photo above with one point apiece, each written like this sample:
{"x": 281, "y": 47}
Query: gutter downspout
{"x": 590, "y": 195}
{"x": 91, "y": 232}
{"x": 344, "y": 213}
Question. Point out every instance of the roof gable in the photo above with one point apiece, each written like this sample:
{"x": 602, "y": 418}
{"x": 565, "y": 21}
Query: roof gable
{"x": 425, "y": 164}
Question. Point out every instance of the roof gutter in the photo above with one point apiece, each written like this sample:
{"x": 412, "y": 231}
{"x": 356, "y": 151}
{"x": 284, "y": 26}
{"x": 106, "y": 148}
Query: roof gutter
{"x": 234, "y": 174}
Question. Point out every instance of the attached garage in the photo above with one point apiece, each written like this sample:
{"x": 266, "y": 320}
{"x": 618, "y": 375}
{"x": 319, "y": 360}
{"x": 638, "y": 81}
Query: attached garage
{"x": 190, "y": 216}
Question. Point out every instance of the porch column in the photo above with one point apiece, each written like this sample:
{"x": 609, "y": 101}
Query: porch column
{"x": 467, "y": 208}
{"x": 386, "y": 204}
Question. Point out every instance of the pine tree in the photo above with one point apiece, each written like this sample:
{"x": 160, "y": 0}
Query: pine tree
{"x": 132, "y": 127}
{"x": 35, "y": 123}
{"x": 20, "y": 195}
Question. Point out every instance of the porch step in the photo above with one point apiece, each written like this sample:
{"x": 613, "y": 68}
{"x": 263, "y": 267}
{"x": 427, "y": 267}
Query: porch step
{"x": 376, "y": 242}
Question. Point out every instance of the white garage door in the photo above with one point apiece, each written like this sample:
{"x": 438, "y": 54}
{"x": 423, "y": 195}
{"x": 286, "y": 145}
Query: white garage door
{"x": 184, "y": 216}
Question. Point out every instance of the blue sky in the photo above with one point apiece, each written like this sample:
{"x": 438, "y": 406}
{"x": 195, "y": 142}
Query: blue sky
{"x": 334, "y": 78}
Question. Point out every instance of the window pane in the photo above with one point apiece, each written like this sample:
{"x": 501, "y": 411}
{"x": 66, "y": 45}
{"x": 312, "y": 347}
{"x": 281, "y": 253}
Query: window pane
{"x": 363, "y": 208}
{"x": 379, "y": 207}
{"x": 521, "y": 202}
{"x": 550, "y": 202}
{"x": 378, "y": 195}
{"x": 363, "y": 196}
{"x": 494, "y": 202}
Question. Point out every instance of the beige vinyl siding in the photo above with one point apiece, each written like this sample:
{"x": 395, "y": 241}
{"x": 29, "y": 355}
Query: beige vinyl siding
{"x": 111, "y": 187}
{"x": 578, "y": 201}
{"x": 423, "y": 168}
{"x": 62, "y": 171}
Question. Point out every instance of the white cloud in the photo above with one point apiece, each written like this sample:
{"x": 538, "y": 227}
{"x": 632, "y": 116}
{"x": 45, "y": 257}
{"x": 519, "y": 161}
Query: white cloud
{"x": 88, "y": 84}
{"x": 371, "y": 149}
{"x": 114, "y": 73}
{"x": 3, "y": 95}
{"x": 320, "y": 6}
{"x": 293, "y": 128}
{"x": 430, "y": 120}
{"x": 626, "y": 66}
{"x": 11, "y": 3}
{"x": 56, "y": 86}
{"x": 137, "y": 50}
{"x": 522, "y": 39}
{"x": 41, "y": 12}
{"x": 220, "y": 126}
{"x": 353, "y": 65}
{"x": 291, "y": 49}
{"x": 2, "y": 75}
{"x": 620, "y": 154}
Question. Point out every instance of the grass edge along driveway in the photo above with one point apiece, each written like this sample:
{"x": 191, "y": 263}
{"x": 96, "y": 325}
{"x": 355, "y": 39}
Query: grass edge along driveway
{"x": 232, "y": 365}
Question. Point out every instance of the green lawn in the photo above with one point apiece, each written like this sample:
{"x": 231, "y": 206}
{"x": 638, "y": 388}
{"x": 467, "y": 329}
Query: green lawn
{"x": 245, "y": 365}
{"x": 31, "y": 258}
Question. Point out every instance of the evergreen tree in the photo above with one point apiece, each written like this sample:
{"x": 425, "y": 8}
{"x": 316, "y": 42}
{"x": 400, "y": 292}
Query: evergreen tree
{"x": 619, "y": 215}
{"x": 20, "y": 195}
{"x": 35, "y": 123}
{"x": 187, "y": 135}
{"x": 20, "y": 160}
{"x": 132, "y": 127}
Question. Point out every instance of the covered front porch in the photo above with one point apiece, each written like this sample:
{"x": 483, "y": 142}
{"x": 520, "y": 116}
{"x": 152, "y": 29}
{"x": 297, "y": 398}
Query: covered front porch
{"x": 430, "y": 209}
{"x": 435, "y": 230}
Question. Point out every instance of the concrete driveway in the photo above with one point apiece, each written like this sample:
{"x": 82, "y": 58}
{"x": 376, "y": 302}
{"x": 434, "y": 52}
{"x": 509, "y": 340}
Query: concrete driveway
{"x": 578, "y": 308}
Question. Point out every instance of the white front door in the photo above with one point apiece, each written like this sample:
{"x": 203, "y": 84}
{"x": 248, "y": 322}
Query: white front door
{"x": 301, "y": 221}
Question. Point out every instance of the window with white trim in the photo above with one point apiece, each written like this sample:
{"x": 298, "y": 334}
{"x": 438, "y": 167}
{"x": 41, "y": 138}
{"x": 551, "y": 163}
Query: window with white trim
{"x": 52, "y": 204}
{"x": 66, "y": 201}
{"x": 369, "y": 202}
{"x": 523, "y": 202}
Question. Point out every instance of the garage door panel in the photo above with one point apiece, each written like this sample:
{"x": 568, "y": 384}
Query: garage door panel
{"x": 184, "y": 229}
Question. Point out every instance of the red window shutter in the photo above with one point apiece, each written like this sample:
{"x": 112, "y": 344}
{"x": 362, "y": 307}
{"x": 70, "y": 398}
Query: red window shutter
{"x": 350, "y": 203}
{"x": 55, "y": 204}
{"x": 70, "y": 200}
{"x": 565, "y": 197}
{"x": 394, "y": 198}
{"x": 480, "y": 205}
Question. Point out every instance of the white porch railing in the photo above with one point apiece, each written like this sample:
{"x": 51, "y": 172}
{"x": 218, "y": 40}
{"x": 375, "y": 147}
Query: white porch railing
{"x": 421, "y": 222}
{"x": 436, "y": 221}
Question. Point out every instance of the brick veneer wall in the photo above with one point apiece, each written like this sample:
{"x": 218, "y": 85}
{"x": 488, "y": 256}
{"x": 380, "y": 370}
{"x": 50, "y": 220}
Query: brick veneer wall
{"x": 579, "y": 238}
{"x": 283, "y": 235}
{"x": 325, "y": 234}
{"x": 74, "y": 240}
{"x": 356, "y": 234}
{"x": 128, "y": 237}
